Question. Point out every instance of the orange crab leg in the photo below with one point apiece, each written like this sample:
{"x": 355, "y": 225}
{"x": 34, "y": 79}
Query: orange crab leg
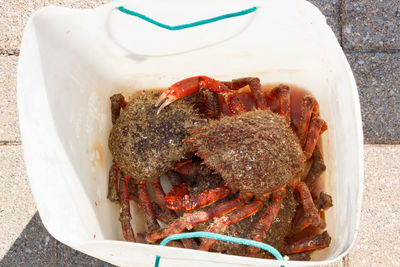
{"x": 113, "y": 183}
{"x": 319, "y": 241}
{"x": 159, "y": 196}
{"x": 311, "y": 213}
{"x": 167, "y": 216}
{"x": 179, "y": 199}
{"x": 282, "y": 94}
{"x": 117, "y": 102}
{"x": 144, "y": 201}
{"x": 222, "y": 223}
{"x": 194, "y": 169}
{"x": 255, "y": 87}
{"x": 125, "y": 215}
{"x": 317, "y": 168}
{"x": 323, "y": 203}
{"x": 193, "y": 85}
{"x": 189, "y": 220}
{"x": 317, "y": 126}
{"x": 308, "y": 108}
{"x": 269, "y": 216}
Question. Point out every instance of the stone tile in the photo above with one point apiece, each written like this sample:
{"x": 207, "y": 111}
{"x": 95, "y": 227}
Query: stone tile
{"x": 16, "y": 202}
{"x": 9, "y": 127}
{"x": 377, "y": 76}
{"x": 327, "y": 7}
{"x": 14, "y": 15}
{"x": 67, "y": 256}
{"x": 23, "y": 239}
{"x": 33, "y": 247}
{"x": 371, "y": 24}
{"x": 36, "y": 247}
{"x": 378, "y": 242}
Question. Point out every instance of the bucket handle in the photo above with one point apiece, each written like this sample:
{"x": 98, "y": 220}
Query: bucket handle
{"x": 232, "y": 239}
{"x": 187, "y": 25}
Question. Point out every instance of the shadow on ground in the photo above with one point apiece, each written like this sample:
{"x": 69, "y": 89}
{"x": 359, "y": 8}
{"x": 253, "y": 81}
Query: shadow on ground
{"x": 36, "y": 247}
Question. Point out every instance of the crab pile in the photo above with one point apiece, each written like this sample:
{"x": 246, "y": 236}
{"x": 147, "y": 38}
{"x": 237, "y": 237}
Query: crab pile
{"x": 238, "y": 163}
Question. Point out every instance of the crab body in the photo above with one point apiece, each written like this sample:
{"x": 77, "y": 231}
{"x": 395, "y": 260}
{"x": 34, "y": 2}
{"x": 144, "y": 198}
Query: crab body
{"x": 145, "y": 145}
{"x": 255, "y": 152}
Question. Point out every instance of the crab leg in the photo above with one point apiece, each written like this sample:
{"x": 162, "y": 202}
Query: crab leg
{"x": 194, "y": 169}
{"x": 311, "y": 213}
{"x": 179, "y": 199}
{"x": 317, "y": 168}
{"x": 144, "y": 201}
{"x": 220, "y": 224}
{"x": 189, "y": 220}
{"x": 159, "y": 195}
{"x": 125, "y": 215}
{"x": 269, "y": 216}
{"x": 255, "y": 87}
{"x": 308, "y": 108}
{"x": 132, "y": 190}
{"x": 169, "y": 215}
{"x": 187, "y": 242}
{"x": 323, "y": 203}
{"x": 319, "y": 241}
{"x": 113, "y": 183}
{"x": 317, "y": 126}
{"x": 193, "y": 85}
{"x": 282, "y": 93}
{"x": 117, "y": 101}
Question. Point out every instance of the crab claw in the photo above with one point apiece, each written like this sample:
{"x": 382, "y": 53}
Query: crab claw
{"x": 180, "y": 89}
{"x": 168, "y": 97}
{"x": 193, "y": 85}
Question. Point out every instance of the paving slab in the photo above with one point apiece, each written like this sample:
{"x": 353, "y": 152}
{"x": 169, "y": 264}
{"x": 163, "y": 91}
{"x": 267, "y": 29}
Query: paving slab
{"x": 334, "y": 22}
{"x": 14, "y": 15}
{"x": 378, "y": 242}
{"x": 16, "y": 202}
{"x": 36, "y": 247}
{"x": 23, "y": 239}
{"x": 371, "y": 24}
{"x": 327, "y": 7}
{"x": 377, "y": 76}
{"x": 9, "y": 127}
{"x": 33, "y": 247}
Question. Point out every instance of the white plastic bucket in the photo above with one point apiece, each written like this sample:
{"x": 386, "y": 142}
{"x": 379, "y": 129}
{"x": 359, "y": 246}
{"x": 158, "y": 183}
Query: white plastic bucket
{"x": 72, "y": 61}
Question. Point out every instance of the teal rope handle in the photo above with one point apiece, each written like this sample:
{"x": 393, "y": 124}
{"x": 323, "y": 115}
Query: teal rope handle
{"x": 238, "y": 240}
{"x": 188, "y": 25}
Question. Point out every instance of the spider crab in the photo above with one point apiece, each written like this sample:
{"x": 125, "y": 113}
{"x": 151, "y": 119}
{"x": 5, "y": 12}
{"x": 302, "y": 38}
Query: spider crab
{"x": 258, "y": 154}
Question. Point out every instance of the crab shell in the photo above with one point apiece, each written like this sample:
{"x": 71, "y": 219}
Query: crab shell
{"x": 146, "y": 145}
{"x": 255, "y": 152}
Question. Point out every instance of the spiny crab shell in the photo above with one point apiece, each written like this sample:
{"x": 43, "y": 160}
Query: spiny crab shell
{"x": 146, "y": 145}
{"x": 255, "y": 152}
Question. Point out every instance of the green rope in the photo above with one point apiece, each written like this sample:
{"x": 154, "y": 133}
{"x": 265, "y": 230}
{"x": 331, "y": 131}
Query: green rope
{"x": 188, "y": 25}
{"x": 238, "y": 240}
